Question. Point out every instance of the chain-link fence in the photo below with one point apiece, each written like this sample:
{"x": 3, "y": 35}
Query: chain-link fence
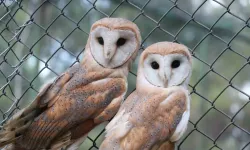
{"x": 40, "y": 39}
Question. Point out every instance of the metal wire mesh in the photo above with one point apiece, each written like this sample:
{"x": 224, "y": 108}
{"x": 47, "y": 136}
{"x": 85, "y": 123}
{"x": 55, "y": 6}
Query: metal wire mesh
{"x": 26, "y": 62}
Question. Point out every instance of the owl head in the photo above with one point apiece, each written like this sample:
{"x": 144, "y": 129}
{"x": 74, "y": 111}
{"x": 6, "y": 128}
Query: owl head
{"x": 113, "y": 42}
{"x": 165, "y": 64}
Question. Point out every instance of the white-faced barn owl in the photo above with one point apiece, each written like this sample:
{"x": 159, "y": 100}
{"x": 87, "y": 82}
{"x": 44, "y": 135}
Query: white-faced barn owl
{"x": 156, "y": 114}
{"x": 86, "y": 95}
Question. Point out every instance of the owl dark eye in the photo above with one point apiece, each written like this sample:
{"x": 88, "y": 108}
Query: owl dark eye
{"x": 175, "y": 64}
{"x": 155, "y": 65}
{"x": 120, "y": 42}
{"x": 100, "y": 40}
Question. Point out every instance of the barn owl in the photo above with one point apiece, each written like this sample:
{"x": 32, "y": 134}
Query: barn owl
{"x": 86, "y": 95}
{"x": 156, "y": 114}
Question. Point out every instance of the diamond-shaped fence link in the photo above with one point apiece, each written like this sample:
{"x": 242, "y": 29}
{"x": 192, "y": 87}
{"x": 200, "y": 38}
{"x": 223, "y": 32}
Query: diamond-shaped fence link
{"x": 40, "y": 39}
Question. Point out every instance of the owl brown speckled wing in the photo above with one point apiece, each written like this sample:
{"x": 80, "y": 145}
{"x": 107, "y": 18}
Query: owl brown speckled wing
{"x": 22, "y": 119}
{"x": 75, "y": 98}
{"x": 146, "y": 121}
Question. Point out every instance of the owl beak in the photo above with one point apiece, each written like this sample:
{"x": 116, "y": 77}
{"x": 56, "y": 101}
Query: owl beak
{"x": 165, "y": 81}
{"x": 167, "y": 75}
{"x": 109, "y": 53}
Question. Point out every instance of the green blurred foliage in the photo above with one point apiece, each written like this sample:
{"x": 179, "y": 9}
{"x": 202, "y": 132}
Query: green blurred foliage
{"x": 220, "y": 44}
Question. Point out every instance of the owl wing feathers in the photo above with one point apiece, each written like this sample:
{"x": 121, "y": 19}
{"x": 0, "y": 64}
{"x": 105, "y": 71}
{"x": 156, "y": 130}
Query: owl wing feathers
{"x": 20, "y": 121}
{"x": 78, "y": 134}
{"x": 48, "y": 94}
{"x": 74, "y": 78}
{"x": 149, "y": 123}
{"x": 74, "y": 137}
{"x": 163, "y": 124}
{"x": 66, "y": 112}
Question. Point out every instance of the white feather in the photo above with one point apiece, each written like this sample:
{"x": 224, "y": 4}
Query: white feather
{"x": 115, "y": 120}
{"x": 165, "y": 102}
{"x": 121, "y": 128}
{"x": 182, "y": 126}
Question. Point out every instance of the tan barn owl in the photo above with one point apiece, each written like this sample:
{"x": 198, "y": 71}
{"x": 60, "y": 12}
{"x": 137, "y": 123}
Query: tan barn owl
{"x": 86, "y": 95}
{"x": 156, "y": 114}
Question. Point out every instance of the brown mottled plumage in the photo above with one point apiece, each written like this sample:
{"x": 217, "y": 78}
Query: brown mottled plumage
{"x": 155, "y": 115}
{"x": 86, "y": 95}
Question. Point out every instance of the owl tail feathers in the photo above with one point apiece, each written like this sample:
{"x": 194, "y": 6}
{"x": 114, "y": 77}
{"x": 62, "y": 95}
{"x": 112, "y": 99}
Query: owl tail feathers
{"x": 16, "y": 126}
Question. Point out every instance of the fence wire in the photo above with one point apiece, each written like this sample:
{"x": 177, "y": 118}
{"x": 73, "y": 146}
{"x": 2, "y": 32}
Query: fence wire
{"x": 20, "y": 52}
